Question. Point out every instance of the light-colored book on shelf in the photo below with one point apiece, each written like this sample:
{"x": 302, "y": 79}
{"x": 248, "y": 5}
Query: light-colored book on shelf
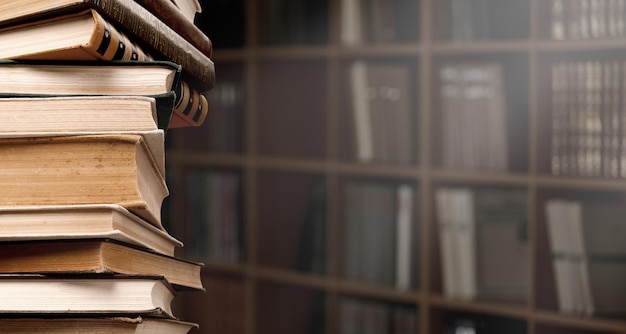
{"x": 484, "y": 251}
{"x": 404, "y": 239}
{"x": 474, "y": 116}
{"x": 381, "y": 112}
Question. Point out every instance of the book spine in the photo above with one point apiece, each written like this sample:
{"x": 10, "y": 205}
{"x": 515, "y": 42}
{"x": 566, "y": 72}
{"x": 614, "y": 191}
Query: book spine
{"x": 198, "y": 69}
{"x": 112, "y": 44}
{"x": 403, "y": 236}
{"x": 190, "y": 109}
{"x": 175, "y": 19}
{"x": 558, "y": 155}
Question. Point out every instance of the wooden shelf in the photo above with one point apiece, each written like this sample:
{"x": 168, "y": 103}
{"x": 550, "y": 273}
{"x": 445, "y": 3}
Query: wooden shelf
{"x": 298, "y": 136}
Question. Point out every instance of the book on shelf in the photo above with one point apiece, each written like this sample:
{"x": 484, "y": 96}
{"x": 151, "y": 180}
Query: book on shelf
{"x": 312, "y": 244}
{"x": 294, "y": 22}
{"x": 374, "y": 214}
{"x": 473, "y": 116}
{"x": 483, "y": 243}
{"x": 214, "y": 222}
{"x": 377, "y": 21}
{"x": 96, "y": 256}
{"x": 110, "y": 295}
{"x": 40, "y": 323}
{"x": 588, "y": 257}
{"x": 226, "y": 124}
{"x": 359, "y": 315}
{"x": 584, "y": 19}
{"x": 70, "y": 222}
{"x": 381, "y": 109}
{"x": 586, "y": 118}
{"x": 39, "y": 23}
{"x": 86, "y": 169}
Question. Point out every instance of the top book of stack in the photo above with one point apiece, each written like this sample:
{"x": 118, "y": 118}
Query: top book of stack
{"x": 158, "y": 26}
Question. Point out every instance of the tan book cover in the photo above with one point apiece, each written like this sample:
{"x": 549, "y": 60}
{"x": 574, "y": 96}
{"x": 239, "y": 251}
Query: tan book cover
{"x": 96, "y": 257}
{"x": 112, "y": 295}
{"x": 73, "y": 170}
{"x": 65, "y": 222}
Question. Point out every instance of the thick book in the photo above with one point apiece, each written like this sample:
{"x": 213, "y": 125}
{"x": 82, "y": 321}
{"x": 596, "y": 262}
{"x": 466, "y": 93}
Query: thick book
{"x": 42, "y": 323}
{"x": 96, "y": 256}
{"x": 67, "y": 222}
{"x": 189, "y": 8}
{"x": 84, "y": 115}
{"x": 110, "y": 295}
{"x": 177, "y": 103}
{"x": 76, "y": 114}
{"x": 94, "y": 78}
{"x": 92, "y": 169}
{"x": 126, "y": 15}
{"x": 179, "y": 15}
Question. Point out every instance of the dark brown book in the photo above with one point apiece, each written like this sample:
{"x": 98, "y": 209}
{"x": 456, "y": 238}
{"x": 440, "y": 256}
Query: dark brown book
{"x": 167, "y": 12}
{"x": 96, "y": 256}
{"x": 146, "y": 29}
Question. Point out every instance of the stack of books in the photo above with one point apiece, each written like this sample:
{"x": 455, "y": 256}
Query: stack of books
{"x": 87, "y": 90}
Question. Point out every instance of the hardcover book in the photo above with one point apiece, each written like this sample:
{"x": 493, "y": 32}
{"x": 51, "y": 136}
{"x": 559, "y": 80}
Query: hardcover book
{"x": 39, "y": 23}
{"x": 91, "y": 169}
{"x": 96, "y": 256}
{"x": 112, "y": 295}
{"x": 65, "y": 222}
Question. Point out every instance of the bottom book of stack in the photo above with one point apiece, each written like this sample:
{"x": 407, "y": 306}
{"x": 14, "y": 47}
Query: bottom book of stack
{"x": 128, "y": 302}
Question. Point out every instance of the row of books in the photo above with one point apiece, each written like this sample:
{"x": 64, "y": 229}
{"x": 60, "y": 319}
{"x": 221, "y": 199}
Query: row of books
{"x": 471, "y": 20}
{"x": 483, "y": 243}
{"x": 473, "y": 116}
{"x": 378, "y": 235}
{"x": 88, "y": 90}
{"x": 587, "y": 119}
{"x": 378, "y": 21}
{"x": 588, "y": 256}
{"x": 357, "y": 315}
{"x": 587, "y": 19}
{"x": 382, "y": 111}
{"x": 214, "y": 223}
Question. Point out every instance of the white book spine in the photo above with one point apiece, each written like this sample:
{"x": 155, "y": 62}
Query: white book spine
{"x": 557, "y": 235}
{"x": 403, "y": 236}
{"x": 466, "y": 243}
{"x": 444, "y": 223}
{"x": 361, "y": 112}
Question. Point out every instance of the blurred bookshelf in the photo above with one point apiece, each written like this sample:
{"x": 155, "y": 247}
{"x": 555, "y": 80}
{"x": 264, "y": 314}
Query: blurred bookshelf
{"x": 345, "y": 137}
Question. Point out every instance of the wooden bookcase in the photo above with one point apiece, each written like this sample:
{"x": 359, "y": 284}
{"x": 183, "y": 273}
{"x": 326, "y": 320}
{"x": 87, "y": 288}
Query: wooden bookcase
{"x": 288, "y": 129}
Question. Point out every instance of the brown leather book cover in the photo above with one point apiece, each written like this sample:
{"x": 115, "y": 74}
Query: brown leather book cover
{"x": 174, "y": 18}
